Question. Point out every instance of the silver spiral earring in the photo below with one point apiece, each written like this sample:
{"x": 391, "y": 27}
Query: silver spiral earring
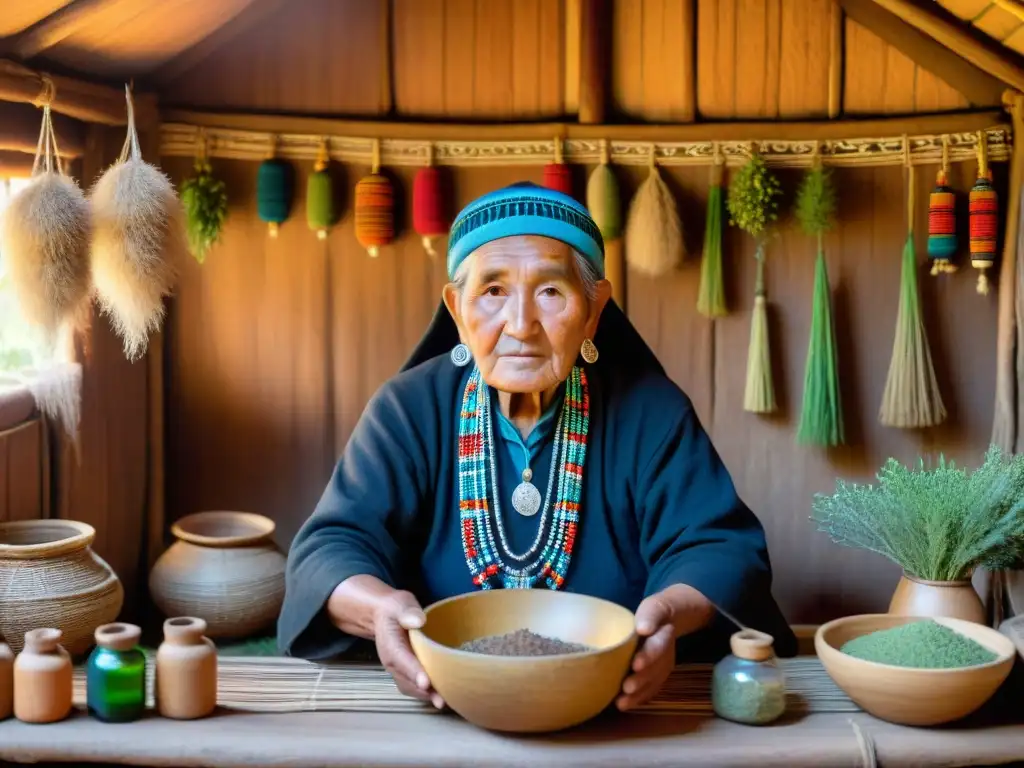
{"x": 589, "y": 351}
{"x": 460, "y": 355}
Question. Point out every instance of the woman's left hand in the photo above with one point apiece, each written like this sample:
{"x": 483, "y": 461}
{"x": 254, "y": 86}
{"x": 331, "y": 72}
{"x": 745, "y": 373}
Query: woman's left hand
{"x": 660, "y": 619}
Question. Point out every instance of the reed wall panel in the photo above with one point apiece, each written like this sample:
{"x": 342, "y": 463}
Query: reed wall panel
{"x": 275, "y": 347}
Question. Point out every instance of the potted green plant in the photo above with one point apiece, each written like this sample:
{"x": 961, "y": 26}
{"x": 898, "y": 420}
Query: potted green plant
{"x": 938, "y": 524}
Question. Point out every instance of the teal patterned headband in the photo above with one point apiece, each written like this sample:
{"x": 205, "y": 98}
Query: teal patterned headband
{"x": 524, "y": 209}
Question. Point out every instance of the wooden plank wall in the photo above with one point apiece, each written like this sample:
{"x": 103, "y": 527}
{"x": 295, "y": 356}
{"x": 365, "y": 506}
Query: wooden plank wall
{"x": 505, "y": 59}
{"x": 23, "y": 474}
{"x": 275, "y": 346}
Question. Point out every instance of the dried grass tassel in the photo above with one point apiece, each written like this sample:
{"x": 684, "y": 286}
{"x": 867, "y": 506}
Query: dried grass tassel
{"x": 911, "y": 398}
{"x": 821, "y": 416}
{"x": 654, "y": 234}
{"x": 711, "y": 297}
{"x": 138, "y": 242}
{"x": 753, "y": 207}
{"x": 44, "y": 239}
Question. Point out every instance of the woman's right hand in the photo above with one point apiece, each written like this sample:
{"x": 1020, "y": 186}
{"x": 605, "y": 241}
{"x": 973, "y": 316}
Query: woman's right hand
{"x": 395, "y": 616}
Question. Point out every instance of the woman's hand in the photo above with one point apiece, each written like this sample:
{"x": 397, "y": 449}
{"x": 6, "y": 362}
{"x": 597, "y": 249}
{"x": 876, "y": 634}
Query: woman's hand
{"x": 397, "y": 614}
{"x": 660, "y": 619}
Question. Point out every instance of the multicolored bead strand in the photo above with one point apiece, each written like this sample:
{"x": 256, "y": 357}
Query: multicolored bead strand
{"x": 984, "y": 218}
{"x": 486, "y": 558}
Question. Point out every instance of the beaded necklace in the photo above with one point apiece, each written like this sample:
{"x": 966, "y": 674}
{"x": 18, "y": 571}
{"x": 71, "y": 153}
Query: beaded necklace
{"x": 478, "y": 487}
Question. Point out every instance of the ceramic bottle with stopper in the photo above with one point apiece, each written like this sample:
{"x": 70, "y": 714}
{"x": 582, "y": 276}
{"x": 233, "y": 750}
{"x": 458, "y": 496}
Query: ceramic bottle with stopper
{"x": 42, "y": 678}
{"x": 6, "y": 681}
{"x": 748, "y": 686}
{"x": 186, "y": 670}
{"x": 116, "y": 674}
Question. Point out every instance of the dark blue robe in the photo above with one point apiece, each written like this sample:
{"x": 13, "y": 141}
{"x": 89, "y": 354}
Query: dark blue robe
{"x": 658, "y": 508}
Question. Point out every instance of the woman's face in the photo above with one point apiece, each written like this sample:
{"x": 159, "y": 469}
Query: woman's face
{"x": 523, "y": 312}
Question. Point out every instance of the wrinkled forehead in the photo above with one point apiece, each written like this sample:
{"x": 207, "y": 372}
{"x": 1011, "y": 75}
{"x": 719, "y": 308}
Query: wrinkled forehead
{"x": 524, "y": 256}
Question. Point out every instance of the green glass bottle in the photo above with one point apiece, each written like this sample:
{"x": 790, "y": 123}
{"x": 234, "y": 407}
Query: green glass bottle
{"x": 116, "y": 674}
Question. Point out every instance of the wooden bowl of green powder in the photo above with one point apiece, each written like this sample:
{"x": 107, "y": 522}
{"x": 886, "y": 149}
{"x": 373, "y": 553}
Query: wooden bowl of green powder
{"x": 914, "y": 670}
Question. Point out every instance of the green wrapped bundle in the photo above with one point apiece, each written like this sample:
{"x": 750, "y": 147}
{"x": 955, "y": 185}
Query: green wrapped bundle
{"x": 320, "y": 213}
{"x": 274, "y": 190}
{"x": 711, "y": 298}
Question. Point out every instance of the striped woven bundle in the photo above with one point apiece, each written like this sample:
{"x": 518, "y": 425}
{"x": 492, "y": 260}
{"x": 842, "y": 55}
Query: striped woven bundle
{"x": 374, "y": 212}
{"x": 984, "y": 228}
{"x": 942, "y": 226}
{"x": 278, "y": 684}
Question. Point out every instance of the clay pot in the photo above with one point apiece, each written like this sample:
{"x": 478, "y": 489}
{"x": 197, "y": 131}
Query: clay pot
{"x": 49, "y": 577}
{"x": 6, "y": 681}
{"x": 225, "y": 569}
{"x": 42, "y": 678}
{"x": 944, "y": 599}
{"x": 186, "y": 670}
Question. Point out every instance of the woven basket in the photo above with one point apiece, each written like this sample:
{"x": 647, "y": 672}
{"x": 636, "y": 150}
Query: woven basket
{"x": 225, "y": 569}
{"x": 49, "y": 577}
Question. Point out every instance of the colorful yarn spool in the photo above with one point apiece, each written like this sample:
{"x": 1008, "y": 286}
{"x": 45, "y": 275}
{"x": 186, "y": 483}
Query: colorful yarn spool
{"x": 320, "y": 213}
{"x": 942, "y": 226}
{"x": 430, "y": 216}
{"x": 274, "y": 188}
{"x": 984, "y": 208}
{"x": 374, "y": 208}
{"x": 558, "y": 175}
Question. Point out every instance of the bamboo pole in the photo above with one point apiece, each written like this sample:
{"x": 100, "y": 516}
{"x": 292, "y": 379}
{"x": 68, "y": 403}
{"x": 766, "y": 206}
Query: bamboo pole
{"x": 89, "y": 102}
{"x": 1007, "y": 417}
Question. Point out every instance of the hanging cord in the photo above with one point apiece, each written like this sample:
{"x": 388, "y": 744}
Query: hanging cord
{"x": 604, "y": 156}
{"x": 47, "y": 93}
{"x": 718, "y": 166}
{"x": 984, "y": 171}
{"x": 816, "y": 164}
{"x": 273, "y": 147}
{"x": 131, "y": 141}
{"x": 375, "y": 160}
{"x": 910, "y": 185}
{"x": 653, "y": 158}
{"x": 558, "y": 150}
{"x": 323, "y": 155}
{"x": 47, "y": 151}
{"x": 945, "y": 158}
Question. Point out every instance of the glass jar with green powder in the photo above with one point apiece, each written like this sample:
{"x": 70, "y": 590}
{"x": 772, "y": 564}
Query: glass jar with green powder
{"x": 115, "y": 675}
{"x": 748, "y": 686}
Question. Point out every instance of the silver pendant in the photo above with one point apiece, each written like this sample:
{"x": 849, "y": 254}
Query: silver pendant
{"x": 526, "y": 498}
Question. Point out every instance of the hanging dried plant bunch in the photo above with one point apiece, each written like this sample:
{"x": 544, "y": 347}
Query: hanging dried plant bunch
{"x": 206, "y": 208}
{"x": 816, "y": 201}
{"x": 753, "y": 197}
{"x": 138, "y": 241}
{"x": 44, "y": 238}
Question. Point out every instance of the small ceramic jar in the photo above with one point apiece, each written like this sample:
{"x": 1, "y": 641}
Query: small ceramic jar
{"x": 186, "y": 670}
{"x": 42, "y": 678}
{"x": 748, "y": 686}
{"x": 6, "y": 681}
{"x": 116, "y": 674}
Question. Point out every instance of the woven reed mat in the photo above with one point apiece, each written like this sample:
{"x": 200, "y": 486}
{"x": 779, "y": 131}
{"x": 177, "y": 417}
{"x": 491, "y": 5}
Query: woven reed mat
{"x": 279, "y": 684}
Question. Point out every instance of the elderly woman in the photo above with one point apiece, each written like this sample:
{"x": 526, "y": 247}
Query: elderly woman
{"x": 532, "y": 441}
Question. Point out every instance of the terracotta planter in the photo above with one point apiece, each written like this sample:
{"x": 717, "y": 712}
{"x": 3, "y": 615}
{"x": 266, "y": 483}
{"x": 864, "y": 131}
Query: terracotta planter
{"x": 50, "y": 577}
{"x": 948, "y": 599}
{"x": 224, "y": 569}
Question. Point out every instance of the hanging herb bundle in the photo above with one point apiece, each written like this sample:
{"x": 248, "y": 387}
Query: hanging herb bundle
{"x": 911, "y": 398}
{"x": 821, "y": 417}
{"x": 711, "y": 297}
{"x": 654, "y": 233}
{"x": 206, "y": 207}
{"x": 753, "y": 207}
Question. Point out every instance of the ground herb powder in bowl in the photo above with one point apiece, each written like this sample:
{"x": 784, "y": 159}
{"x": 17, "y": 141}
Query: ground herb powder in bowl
{"x": 522, "y": 642}
{"x": 922, "y": 645}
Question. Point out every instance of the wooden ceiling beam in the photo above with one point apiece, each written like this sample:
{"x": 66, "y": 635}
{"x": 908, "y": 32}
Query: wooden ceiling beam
{"x": 976, "y": 84}
{"x": 595, "y": 60}
{"x": 988, "y": 58}
{"x": 248, "y": 17}
{"x": 89, "y": 102}
{"x": 51, "y": 30}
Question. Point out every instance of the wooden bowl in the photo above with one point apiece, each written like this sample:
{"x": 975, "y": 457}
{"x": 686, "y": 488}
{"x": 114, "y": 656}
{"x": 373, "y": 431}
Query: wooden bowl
{"x": 908, "y": 695}
{"x": 526, "y": 694}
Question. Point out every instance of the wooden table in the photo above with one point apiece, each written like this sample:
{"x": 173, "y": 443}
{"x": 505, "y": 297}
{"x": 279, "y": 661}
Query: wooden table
{"x": 328, "y": 739}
